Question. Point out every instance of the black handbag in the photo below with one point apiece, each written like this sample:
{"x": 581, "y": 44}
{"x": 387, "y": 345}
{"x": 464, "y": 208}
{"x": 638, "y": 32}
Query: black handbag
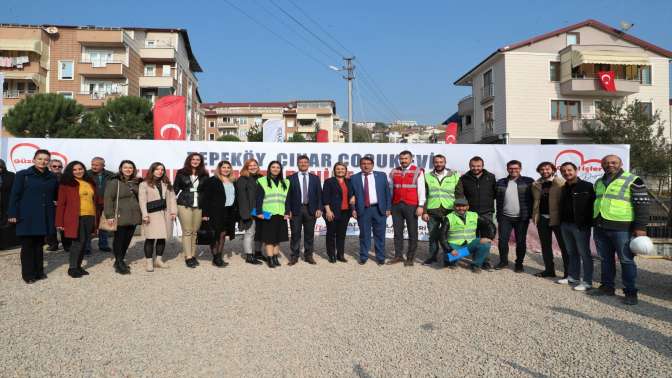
{"x": 157, "y": 205}
{"x": 205, "y": 235}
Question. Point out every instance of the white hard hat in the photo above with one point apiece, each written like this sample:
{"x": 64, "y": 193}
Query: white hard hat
{"x": 642, "y": 245}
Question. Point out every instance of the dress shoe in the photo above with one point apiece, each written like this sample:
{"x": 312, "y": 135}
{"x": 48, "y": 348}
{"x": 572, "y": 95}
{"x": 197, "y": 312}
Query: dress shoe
{"x": 195, "y": 261}
{"x": 30, "y": 281}
{"x": 603, "y": 291}
{"x": 105, "y": 249}
{"x": 395, "y": 260}
{"x": 189, "y": 263}
{"x": 276, "y": 262}
{"x": 331, "y": 259}
{"x": 450, "y": 265}
{"x": 249, "y": 258}
{"x": 74, "y": 273}
{"x": 475, "y": 269}
{"x": 292, "y": 261}
{"x": 408, "y": 263}
{"x": 380, "y": 262}
{"x": 361, "y": 262}
{"x": 630, "y": 299}
{"x": 341, "y": 259}
{"x": 118, "y": 268}
{"x": 545, "y": 274}
{"x": 270, "y": 262}
{"x": 429, "y": 261}
{"x": 487, "y": 266}
{"x": 41, "y": 276}
{"x": 310, "y": 260}
{"x": 52, "y": 248}
{"x": 83, "y": 272}
{"x": 259, "y": 256}
{"x": 502, "y": 265}
{"x": 518, "y": 269}
{"x": 218, "y": 261}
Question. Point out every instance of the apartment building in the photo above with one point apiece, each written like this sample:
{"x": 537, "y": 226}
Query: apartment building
{"x": 543, "y": 89}
{"x": 303, "y": 117}
{"x": 93, "y": 64}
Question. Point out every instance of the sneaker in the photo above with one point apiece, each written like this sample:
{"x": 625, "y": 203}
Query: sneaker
{"x": 475, "y": 269}
{"x": 583, "y": 287}
{"x": 518, "y": 269}
{"x": 566, "y": 281}
{"x": 502, "y": 265}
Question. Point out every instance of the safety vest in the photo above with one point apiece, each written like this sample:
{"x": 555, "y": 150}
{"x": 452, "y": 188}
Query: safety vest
{"x": 441, "y": 193}
{"x": 274, "y": 196}
{"x": 461, "y": 232}
{"x": 405, "y": 185}
{"x": 613, "y": 202}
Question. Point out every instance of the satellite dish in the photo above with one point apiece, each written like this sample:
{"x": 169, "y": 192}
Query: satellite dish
{"x": 51, "y": 30}
{"x": 625, "y": 26}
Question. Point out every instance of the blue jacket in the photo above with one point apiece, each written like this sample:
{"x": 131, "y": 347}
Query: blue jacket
{"x": 382, "y": 191}
{"x": 332, "y": 194}
{"x": 32, "y": 202}
{"x": 293, "y": 202}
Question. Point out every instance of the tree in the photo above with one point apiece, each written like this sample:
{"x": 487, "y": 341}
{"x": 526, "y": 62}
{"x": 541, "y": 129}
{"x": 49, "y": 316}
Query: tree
{"x": 633, "y": 124}
{"x": 129, "y": 117}
{"x": 361, "y": 135}
{"x": 90, "y": 126}
{"x": 254, "y": 134}
{"x": 228, "y": 138}
{"x": 42, "y": 115}
{"x": 297, "y": 138}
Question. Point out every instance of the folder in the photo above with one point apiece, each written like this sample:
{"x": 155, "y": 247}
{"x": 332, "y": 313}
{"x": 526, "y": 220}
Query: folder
{"x": 253, "y": 213}
{"x": 461, "y": 253}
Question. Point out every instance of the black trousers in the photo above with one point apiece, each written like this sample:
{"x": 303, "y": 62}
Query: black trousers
{"x": 546, "y": 232}
{"x": 403, "y": 214}
{"x": 305, "y": 221}
{"x": 519, "y": 227}
{"x": 122, "y": 239}
{"x": 336, "y": 230}
{"x": 32, "y": 257}
{"x": 86, "y": 225}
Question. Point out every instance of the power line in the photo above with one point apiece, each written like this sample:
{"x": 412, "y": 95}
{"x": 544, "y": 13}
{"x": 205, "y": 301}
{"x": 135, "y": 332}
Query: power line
{"x": 311, "y": 19}
{"x": 316, "y": 60}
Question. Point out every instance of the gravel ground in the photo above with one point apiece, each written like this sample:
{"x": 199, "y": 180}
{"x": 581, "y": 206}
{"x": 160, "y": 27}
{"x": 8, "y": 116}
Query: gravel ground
{"x": 325, "y": 320}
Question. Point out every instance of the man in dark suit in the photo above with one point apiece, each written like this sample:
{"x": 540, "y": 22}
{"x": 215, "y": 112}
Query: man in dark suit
{"x": 304, "y": 202}
{"x": 373, "y": 202}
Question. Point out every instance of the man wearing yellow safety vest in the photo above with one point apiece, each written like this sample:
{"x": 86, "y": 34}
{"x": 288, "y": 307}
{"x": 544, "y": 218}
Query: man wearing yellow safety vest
{"x": 620, "y": 212}
{"x": 440, "y": 188}
{"x": 460, "y": 231}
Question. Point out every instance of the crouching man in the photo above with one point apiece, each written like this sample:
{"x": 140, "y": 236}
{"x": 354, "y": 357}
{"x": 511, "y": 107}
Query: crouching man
{"x": 460, "y": 230}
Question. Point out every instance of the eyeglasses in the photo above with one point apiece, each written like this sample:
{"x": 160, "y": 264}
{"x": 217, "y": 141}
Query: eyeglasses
{"x": 57, "y": 166}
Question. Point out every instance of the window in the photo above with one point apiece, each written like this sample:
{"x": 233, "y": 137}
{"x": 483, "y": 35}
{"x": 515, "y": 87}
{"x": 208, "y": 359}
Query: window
{"x": 32, "y": 88}
{"x": 212, "y": 123}
{"x": 573, "y": 39}
{"x": 20, "y": 87}
{"x": 645, "y": 75}
{"x": 555, "y": 71}
{"x": 150, "y": 43}
{"x": 646, "y": 108}
{"x": 99, "y": 58}
{"x": 565, "y": 109}
{"x": 66, "y": 70}
{"x": 211, "y": 136}
{"x": 488, "y": 87}
{"x": 488, "y": 120}
{"x": 150, "y": 70}
{"x": 166, "y": 70}
{"x": 66, "y": 94}
{"x": 467, "y": 120}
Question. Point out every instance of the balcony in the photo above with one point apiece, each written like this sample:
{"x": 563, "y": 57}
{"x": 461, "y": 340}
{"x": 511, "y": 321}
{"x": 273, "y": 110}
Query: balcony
{"x": 488, "y": 128}
{"x": 576, "y": 126}
{"x": 227, "y": 125}
{"x": 157, "y": 82}
{"x": 94, "y": 99}
{"x": 103, "y": 70}
{"x": 12, "y": 97}
{"x": 158, "y": 54}
{"x": 100, "y": 37}
{"x": 465, "y": 106}
{"x": 591, "y": 86}
{"x": 487, "y": 93}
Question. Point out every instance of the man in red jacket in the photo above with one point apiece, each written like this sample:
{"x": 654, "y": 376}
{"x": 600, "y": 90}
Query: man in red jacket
{"x": 408, "y": 199}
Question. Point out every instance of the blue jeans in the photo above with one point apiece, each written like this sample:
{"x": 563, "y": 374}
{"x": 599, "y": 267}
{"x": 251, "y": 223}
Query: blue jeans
{"x": 102, "y": 241}
{"x": 519, "y": 227}
{"x": 577, "y": 242}
{"x": 610, "y": 243}
{"x": 478, "y": 250}
{"x": 371, "y": 220}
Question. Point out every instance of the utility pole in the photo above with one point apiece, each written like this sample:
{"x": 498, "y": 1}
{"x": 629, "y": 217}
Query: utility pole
{"x": 349, "y": 68}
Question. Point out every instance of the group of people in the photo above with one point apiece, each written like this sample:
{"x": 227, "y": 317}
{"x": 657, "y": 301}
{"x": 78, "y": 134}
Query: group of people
{"x": 463, "y": 213}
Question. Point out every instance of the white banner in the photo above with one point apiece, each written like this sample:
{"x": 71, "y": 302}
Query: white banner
{"x": 19, "y": 154}
{"x": 274, "y": 131}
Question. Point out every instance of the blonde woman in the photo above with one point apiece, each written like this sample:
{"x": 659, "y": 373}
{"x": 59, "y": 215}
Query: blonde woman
{"x": 219, "y": 209}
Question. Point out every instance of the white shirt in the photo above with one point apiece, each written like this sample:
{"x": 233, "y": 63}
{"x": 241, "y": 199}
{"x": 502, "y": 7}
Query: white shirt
{"x": 373, "y": 196}
{"x": 194, "y": 184}
{"x": 420, "y": 189}
{"x": 300, "y": 177}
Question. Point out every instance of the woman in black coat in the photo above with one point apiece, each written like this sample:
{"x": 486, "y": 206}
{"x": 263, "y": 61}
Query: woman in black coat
{"x": 219, "y": 209}
{"x": 336, "y": 195}
{"x": 246, "y": 200}
{"x": 6, "y": 181}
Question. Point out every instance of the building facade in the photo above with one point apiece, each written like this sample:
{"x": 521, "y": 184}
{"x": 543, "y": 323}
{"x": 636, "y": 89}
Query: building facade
{"x": 303, "y": 117}
{"x": 93, "y": 64}
{"x": 544, "y": 89}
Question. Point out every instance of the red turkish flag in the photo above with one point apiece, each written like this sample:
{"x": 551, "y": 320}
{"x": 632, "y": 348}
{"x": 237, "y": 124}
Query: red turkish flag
{"x": 322, "y": 136}
{"x": 607, "y": 80}
{"x": 169, "y": 118}
{"x": 451, "y": 133}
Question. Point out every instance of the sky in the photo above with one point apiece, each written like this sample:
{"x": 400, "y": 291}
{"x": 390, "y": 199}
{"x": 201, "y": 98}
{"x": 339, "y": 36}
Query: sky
{"x": 407, "y": 54}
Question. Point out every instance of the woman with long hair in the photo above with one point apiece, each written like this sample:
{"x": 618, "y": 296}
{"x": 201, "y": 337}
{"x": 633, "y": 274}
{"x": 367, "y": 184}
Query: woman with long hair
{"x": 121, "y": 201}
{"x": 246, "y": 199}
{"x": 158, "y": 207}
{"x": 76, "y": 213}
{"x": 31, "y": 208}
{"x": 337, "y": 212}
{"x": 272, "y": 214}
{"x": 219, "y": 209}
{"x": 188, "y": 187}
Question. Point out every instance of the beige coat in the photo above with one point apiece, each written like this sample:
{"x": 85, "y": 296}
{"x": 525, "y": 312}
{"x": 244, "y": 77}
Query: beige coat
{"x": 160, "y": 224}
{"x": 554, "y": 196}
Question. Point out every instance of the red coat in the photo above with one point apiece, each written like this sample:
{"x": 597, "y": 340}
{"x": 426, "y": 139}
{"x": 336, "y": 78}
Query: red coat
{"x": 405, "y": 186}
{"x": 67, "y": 209}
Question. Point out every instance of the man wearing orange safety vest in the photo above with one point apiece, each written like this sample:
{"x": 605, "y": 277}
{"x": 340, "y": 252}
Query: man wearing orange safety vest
{"x": 408, "y": 198}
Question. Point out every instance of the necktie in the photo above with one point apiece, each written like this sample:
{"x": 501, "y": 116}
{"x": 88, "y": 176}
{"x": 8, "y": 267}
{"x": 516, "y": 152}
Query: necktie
{"x": 367, "y": 200}
{"x": 304, "y": 195}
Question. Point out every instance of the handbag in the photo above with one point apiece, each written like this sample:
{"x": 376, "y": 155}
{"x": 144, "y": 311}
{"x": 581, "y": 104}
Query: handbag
{"x": 104, "y": 222}
{"x": 205, "y": 234}
{"x": 157, "y": 205}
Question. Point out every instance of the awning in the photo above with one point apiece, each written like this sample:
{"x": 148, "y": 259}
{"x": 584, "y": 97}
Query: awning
{"x": 306, "y": 116}
{"x": 36, "y": 78}
{"x": 608, "y": 57}
{"x": 21, "y": 45}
